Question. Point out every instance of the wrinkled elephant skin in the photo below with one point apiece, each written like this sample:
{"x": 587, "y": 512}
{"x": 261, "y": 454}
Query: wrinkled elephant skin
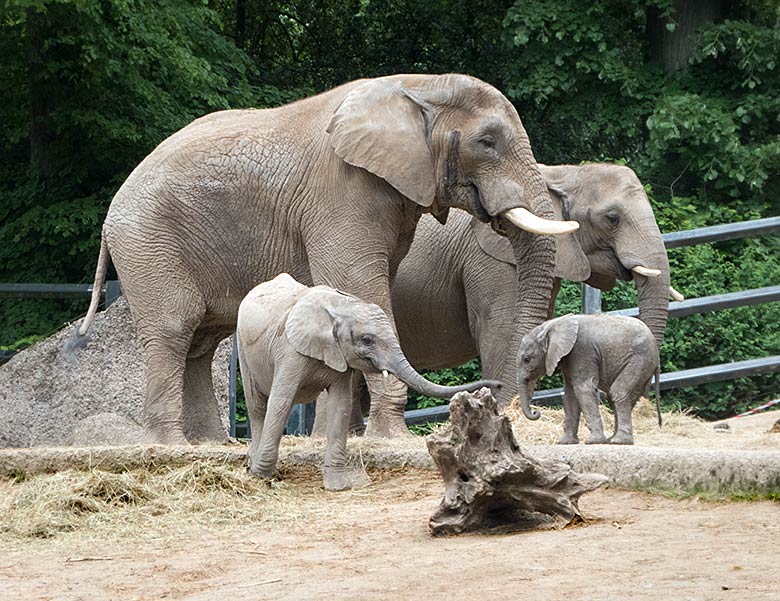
{"x": 612, "y": 353}
{"x": 294, "y": 341}
{"x": 328, "y": 189}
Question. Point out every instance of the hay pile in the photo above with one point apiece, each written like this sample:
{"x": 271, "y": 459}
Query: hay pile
{"x": 162, "y": 503}
{"x": 155, "y": 502}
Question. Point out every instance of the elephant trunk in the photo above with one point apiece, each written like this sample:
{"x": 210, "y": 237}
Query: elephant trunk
{"x": 401, "y": 367}
{"x": 653, "y": 298}
{"x": 534, "y": 257}
{"x": 525, "y": 391}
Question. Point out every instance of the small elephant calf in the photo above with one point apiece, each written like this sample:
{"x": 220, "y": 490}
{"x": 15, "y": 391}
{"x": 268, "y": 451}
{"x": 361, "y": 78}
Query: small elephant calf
{"x": 612, "y": 353}
{"x": 295, "y": 341}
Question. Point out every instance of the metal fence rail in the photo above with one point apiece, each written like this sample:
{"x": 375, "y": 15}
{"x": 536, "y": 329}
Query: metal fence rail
{"x": 111, "y": 289}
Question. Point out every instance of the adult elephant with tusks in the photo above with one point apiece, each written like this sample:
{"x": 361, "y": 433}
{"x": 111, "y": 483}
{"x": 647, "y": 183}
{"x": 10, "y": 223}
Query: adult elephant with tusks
{"x": 328, "y": 189}
{"x": 454, "y": 295}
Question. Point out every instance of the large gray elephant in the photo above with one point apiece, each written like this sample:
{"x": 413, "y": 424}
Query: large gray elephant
{"x": 328, "y": 189}
{"x": 294, "y": 341}
{"x": 455, "y": 295}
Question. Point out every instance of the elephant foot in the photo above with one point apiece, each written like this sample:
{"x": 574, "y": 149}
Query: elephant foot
{"x": 261, "y": 471}
{"x": 596, "y": 439}
{"x": 344, "y": 478}
{"x": 568, "y": 439}
{"x": 387, "y": 426}
{"x": 222, "y": 439}
{"x": 166, "y": 436}
{"x": 626, "y": 439}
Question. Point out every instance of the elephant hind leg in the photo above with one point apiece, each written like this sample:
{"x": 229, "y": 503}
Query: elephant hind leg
{"x": 625, "y": 392}
{"x": 166, "y": 341}
{"x": 200, "y": 412}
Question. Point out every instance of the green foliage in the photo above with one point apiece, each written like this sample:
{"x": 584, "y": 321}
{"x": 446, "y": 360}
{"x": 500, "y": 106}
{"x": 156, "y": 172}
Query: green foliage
{"x": 87, "y": 89}
{"x": 468, "y": 372}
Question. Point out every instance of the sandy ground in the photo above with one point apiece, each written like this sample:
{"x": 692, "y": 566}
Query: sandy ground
{"x": 296, "y": 541}
{"x": 374, "y": 543}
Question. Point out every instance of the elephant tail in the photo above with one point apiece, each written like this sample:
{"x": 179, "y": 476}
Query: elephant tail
{"x": 97, "y": 287}
{"x": 658, "y": 395}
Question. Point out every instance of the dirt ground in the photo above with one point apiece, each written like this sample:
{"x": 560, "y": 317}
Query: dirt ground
{"x": 374, "y": 543}
{"x": 210, "y": 532}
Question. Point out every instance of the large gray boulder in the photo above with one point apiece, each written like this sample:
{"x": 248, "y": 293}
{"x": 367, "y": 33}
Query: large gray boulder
{"x": 47, "y": 389}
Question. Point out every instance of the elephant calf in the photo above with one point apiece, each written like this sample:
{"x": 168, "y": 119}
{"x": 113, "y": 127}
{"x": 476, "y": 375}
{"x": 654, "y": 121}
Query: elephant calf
{"x": 612, "y": 353}
{"x": 293, "y": 342}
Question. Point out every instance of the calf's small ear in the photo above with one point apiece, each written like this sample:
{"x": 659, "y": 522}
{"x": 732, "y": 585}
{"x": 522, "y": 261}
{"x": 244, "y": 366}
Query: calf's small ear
{"x": 561, "y": 336}
{"x": 311, "y": 327}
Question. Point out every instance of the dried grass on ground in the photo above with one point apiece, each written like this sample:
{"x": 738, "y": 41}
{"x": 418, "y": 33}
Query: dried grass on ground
{"x": 680, "y": 429}
{"x": 162, "y": 503}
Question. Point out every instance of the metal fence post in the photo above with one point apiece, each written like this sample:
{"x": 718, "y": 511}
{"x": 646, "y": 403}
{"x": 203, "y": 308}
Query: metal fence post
{"x": 591, "y": 300}
{"x": 301, "y": 420}
{"x": 113, "y": 291}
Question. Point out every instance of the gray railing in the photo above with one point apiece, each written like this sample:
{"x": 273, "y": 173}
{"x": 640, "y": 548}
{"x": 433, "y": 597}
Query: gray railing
{"x": 111, "y": 290}
{"x": 591, "y": 303}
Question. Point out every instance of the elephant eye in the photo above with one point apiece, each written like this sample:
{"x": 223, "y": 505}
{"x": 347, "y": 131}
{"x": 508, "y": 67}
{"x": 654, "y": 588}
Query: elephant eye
{"x": 367, "y": 340}
{"x": 488, "y": 142}
{"x": 527, "y": 359}
{"x": 613, "y": 218}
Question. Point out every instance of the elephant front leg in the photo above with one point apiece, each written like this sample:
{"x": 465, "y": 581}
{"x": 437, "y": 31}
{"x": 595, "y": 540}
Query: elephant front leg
{"x": 588, "y": 397}
{"x": 262, "y": 457}
{"x": 336, "y": 474}
{"x": 571, "y": 416}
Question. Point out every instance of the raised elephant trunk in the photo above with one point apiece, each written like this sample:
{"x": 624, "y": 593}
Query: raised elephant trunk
{"x": 401, "y": 367}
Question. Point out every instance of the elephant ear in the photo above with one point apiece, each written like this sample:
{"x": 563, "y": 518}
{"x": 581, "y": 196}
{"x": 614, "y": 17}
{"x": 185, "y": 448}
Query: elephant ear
{"x": 493, "y": 244}
{"x": 383, "y": 128}
{"x": 561, "y": 335}
{"x": 311, "y": 326}
{"x": 571, "y": 263}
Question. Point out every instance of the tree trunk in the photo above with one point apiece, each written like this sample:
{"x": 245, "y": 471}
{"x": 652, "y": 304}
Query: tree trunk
{"x": 42, "y": 136}
{"x": 241, "y": 24}
{"x": 673, "y": 49}
{"x": 491, "y": 485}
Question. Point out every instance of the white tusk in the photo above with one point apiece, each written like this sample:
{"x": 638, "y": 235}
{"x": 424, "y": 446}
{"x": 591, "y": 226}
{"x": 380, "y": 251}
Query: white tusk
{"x": 524, "y": 219}
{"x": 384, "y": 374}
{"x": 675, "y": 295}
{"x": 646, "y": 271}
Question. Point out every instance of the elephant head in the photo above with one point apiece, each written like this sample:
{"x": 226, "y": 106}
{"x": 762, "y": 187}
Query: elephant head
{"x": 618, "y": 237}
{"x": 540, "y": 352}
{"x": 346, "y": 332}
{"x": 454, "y": 141}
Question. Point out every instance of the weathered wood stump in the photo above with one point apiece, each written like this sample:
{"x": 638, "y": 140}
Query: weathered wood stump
{"x": 491, "y": 485}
